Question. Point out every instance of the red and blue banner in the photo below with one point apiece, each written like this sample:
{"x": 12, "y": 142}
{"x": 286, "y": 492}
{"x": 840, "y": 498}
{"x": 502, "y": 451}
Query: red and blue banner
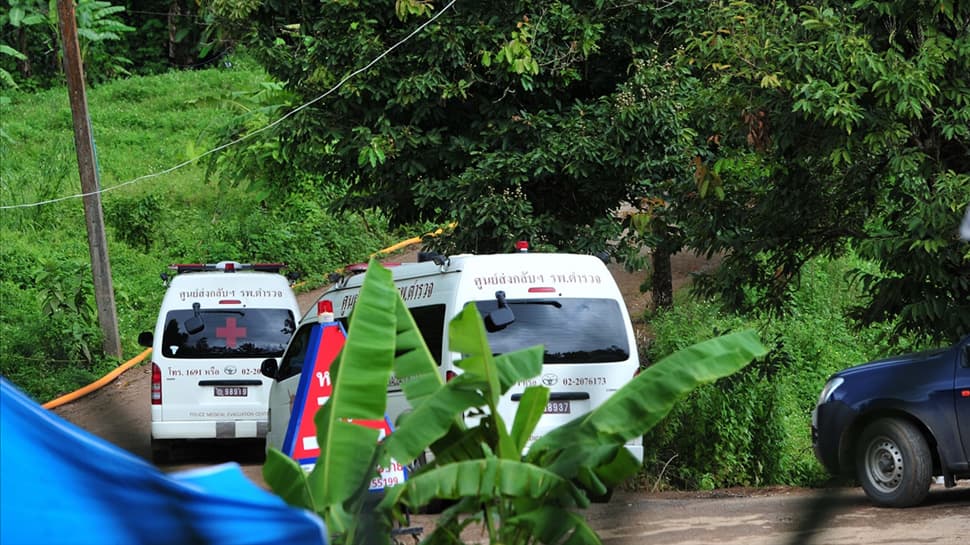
{"x": 315, "y": 387}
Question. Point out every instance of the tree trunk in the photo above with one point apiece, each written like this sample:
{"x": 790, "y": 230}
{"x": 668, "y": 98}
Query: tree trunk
{"x": 663, "y": 290}
{"x": 662, "y": 283}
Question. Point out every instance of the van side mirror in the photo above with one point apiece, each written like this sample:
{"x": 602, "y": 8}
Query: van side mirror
{"x": 146, "y": 339}
{"x": 501, "y": 317}
{"x": 194, "y": 324}
{"x": 269, "y": 368}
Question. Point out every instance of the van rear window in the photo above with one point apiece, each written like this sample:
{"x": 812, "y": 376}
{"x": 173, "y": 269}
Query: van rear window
{"x": 236, "y": 333}
{"x": 572, "y": 330}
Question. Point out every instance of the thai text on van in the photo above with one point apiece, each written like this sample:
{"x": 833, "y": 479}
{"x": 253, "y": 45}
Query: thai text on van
{"x": 411, "y": 292}
{"x": 222, "y": 293}
{"x": 525, "y": 277}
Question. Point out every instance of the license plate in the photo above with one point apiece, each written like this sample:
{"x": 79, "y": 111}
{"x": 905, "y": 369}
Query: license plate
{"x": 557, "y": 407}
{"x": 231, "y": 391}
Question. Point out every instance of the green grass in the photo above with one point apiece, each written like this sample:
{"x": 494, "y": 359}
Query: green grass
{"x": 142, "y": 127}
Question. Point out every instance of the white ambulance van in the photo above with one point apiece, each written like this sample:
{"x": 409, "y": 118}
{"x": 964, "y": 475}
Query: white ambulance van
{"x": 216, "y": 324}
{"x": 568, "y": 303}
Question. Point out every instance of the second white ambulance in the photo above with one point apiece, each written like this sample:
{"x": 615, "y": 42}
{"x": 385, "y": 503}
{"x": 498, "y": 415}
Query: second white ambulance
{"x": 569, "y": 303}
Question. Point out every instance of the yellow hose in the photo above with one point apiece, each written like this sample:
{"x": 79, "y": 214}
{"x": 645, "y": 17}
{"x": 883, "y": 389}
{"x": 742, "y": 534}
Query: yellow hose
{"x": 413, "y": 240}
{"x": 67, "y": 398}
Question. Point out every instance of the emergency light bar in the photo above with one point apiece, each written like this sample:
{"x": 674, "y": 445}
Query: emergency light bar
{"x": 227, "y": 266}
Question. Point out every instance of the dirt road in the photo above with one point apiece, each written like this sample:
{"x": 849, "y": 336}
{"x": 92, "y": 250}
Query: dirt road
{"x": 120, "y": 414}
{"x": 776, "y": 516}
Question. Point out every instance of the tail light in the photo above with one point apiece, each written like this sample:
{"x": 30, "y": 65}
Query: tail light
{"x": 156, "y": 384}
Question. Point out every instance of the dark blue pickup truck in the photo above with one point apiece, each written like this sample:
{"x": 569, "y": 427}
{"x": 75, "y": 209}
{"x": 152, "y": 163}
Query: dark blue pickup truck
{"x": 896, "y": 423}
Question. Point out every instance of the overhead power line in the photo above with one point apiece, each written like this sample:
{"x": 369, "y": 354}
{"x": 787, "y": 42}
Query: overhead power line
{"x": 249, "y": 135}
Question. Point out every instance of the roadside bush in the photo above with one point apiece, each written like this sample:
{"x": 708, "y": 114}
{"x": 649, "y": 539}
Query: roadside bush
{"x": 135, "y": 219}
{"x": 754, "y": 428}
{"x": 723, "y": 434}
{"x": 51, "y": 341}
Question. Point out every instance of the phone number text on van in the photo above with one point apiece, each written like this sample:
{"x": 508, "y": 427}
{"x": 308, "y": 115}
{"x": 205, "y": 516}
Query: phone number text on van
{"x": 210, "y": 372}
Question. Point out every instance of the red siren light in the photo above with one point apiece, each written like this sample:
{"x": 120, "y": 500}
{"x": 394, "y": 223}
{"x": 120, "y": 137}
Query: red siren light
{"x": 324, "y": 311}
{"x": 522, "y": 246}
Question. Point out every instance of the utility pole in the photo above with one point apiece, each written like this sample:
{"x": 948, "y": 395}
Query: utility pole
{"x": 104, "y": 294}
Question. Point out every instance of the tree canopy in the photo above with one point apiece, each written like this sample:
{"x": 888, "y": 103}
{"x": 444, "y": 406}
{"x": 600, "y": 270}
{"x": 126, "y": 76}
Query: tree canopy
{"x": 846, "y": 126}
{"x": 513, "y": 119}
{"x": 768, "y": 132}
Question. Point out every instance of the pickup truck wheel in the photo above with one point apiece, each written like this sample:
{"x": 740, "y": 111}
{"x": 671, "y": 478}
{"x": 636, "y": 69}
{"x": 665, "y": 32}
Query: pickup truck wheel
{"x": 893, "y": 463}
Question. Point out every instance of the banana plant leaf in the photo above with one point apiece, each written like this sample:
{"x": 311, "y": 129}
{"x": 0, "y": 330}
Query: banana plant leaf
{"x": 466, "y": 333}
{"x": 642, "y": 403}
{"x": 527, "y": 415}
{"x": 553, "y": 524}
{"x": 287, "y": 479}
{"x": 348, "y": 452}
{"x": 485, "y": 479}
{"x": 437, "y": 413}
{"x": 360, "y": 376}
{"x": 413, "y": 363}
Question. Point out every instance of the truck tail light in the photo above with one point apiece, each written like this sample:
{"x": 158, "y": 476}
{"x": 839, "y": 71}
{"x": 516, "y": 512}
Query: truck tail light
{"x": 156, "y": 384}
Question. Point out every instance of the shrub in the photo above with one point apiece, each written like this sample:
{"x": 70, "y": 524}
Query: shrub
{"x": 754, "y": 428}
{"x": 135, "y": 219}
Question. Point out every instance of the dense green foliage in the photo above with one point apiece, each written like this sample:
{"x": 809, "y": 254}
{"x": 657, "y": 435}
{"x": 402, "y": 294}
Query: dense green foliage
{"x": 753, "y": 428}
{"x": 32, "y": 38}
{"x": 809, "y": 127}
{"x": 117, "y": 39}
{"x": 51, "y": 342}
{"x": 518, "y": 498}
{"x": 834, "y": 124}
{"x": 517, "y": 120}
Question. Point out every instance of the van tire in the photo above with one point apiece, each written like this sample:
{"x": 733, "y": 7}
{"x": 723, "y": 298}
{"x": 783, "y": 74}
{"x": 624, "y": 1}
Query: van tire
{"x": 161, "y": 451}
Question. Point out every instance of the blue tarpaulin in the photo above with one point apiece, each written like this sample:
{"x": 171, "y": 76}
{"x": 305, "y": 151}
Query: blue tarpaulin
{"x": 60, "y": 484}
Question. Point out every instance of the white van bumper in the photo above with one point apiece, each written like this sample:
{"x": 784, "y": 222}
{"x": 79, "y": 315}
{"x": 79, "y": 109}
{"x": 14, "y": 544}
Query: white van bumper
{"x": 636, "y": 449}
{"x": 233, "y": 429}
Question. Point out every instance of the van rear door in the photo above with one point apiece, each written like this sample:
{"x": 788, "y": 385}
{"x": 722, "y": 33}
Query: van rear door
{"x": 210, "y": 369}
{"x": 588, "y": 354}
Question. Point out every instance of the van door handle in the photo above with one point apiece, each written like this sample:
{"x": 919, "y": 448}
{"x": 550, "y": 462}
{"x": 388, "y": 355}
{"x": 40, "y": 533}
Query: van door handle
{"x": 560, "y": 396}
{"x": 238, "y": 382}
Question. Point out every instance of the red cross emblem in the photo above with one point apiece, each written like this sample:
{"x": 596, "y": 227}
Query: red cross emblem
{"x": 231, "y": 332}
